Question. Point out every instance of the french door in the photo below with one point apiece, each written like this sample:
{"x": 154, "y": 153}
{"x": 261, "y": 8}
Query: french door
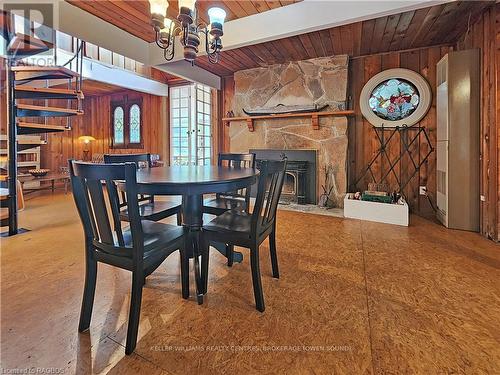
{"x": 190, "y": 125}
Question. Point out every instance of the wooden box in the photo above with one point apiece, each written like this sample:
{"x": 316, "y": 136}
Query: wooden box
{"x": 397, "y": 214}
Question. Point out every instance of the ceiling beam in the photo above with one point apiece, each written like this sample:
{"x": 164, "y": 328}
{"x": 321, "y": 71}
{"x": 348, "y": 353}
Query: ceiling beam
{"x": 85, "y": 26}
{"x": 184, "y": 69}
{"x": 311, "y": 15}
{"x": 104, "y": 73}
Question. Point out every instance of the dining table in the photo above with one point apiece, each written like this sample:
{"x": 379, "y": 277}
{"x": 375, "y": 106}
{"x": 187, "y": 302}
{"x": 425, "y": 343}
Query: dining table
{"x": 192, "y": 182}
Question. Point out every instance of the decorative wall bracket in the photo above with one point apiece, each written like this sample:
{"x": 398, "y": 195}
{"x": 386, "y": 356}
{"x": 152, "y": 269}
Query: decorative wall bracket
{"x": 313, "y": 115}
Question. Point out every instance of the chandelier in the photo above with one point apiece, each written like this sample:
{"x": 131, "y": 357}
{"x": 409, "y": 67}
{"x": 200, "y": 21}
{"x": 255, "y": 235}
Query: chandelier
{"x": 187, "y": 29}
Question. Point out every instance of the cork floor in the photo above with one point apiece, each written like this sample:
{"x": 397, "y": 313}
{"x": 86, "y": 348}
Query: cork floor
{"x": 353, "y": 298}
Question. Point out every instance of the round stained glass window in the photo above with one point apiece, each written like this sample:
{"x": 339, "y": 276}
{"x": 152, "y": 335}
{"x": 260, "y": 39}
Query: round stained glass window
{"x": 394, "y": 99}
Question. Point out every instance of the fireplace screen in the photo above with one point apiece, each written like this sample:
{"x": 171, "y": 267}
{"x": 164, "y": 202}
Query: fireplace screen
{"x": 290, "y": 184}
{"x": 289, "y": 189}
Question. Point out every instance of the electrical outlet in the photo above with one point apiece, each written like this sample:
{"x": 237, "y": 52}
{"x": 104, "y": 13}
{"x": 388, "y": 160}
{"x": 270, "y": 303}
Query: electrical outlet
{"x": 422, "y": 190}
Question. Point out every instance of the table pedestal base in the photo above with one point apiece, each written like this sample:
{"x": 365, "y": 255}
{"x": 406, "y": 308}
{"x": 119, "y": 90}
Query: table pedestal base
{"x": 192, "y": 220}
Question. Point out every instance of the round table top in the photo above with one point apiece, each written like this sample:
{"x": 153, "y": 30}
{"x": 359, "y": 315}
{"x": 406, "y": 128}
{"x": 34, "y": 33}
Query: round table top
{"x": 189, "y": 180}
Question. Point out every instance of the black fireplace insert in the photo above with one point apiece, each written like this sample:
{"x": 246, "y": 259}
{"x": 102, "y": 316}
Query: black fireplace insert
{"x": 300, "y": 179}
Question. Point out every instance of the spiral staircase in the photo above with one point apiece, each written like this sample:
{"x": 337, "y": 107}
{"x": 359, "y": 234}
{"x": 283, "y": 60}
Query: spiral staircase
{"x": 32, "y": 84}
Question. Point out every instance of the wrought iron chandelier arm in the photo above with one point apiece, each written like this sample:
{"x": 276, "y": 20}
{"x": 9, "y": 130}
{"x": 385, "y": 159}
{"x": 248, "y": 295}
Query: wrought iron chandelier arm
{"x": 202, "y": 27}
{"x": 159, "y": 41}
{"x": 169, "y": 55}
{"x": 211, "y": 47}
{"x": 213, "y": 57}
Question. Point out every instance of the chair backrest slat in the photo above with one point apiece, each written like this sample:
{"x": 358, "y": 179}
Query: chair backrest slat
{"x": 94, "y": 209}
{"x": 130, "y": 158}
{"x": 237, "y": 161}
{"x": 114, "y": 201}
{"x": 94, "y": 188}
{"x": 271, "y": 178}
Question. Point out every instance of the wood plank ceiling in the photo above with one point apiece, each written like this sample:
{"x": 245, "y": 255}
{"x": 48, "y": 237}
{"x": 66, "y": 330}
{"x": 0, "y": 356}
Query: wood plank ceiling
{"x": 436, "y": 25}
{"x": 135, "y": 17}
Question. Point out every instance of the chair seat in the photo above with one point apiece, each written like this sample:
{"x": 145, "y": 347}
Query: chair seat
{"x": 219, "y": 205}
{"x": 153, "y": 210}
{"x": 156, "y": 236}
{"x": 231, "y": 222}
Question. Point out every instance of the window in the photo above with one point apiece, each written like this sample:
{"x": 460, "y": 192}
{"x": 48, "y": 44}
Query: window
{"x": 203, "y": 125}
{"x": 126, "y": 123}
{"x": 118, "y": 125}
{"x": 190, "y": 125}
{"x": 135, "y": 124}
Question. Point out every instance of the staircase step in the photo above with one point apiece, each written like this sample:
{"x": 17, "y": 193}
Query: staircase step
{"x": 25, "y": 73}
{"x": 27, "y": 110}
{"x": 33, "y": 128}
{"x": 23, "y": 45}
{"x": 28, "y": 92}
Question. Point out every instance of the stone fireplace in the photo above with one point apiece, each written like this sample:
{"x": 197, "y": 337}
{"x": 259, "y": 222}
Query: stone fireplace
{"x": 315, "y": 81}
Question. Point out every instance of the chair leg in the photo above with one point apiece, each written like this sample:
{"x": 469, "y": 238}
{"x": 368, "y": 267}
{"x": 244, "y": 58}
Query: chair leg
{"x": 88, "y": 294}
{"x": 135, "y": 312}
{"x": 229, "y": 254}
{"x": 179, "y": 218}
{"x": 205, "y": 256}
{"x": 257, "y": 284}
{"x": 274, "y": 257}
{"x": 184, "y": 272}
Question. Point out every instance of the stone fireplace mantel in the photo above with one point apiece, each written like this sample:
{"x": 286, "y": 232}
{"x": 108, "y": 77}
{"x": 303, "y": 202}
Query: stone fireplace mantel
{"x": 313, "y": 115}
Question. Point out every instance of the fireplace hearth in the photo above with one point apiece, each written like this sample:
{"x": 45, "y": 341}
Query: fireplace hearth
{"x": 300, "y": 179}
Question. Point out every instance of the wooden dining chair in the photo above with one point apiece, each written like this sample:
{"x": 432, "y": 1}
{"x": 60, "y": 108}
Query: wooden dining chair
{"x": 149, "y": 209}
{"x": 234, "y": 200}
{"x": 240, "y": 228}
{"x": 140, "y": 248}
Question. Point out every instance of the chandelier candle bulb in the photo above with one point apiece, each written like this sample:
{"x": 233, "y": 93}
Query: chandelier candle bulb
{"x": 158, "y": 12}
{"x": 186, "y": 11}
{"x": 217, "y": 17}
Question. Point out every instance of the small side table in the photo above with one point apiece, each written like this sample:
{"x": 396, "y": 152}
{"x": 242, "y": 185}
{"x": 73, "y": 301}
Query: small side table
{"x": 50, "y": 177}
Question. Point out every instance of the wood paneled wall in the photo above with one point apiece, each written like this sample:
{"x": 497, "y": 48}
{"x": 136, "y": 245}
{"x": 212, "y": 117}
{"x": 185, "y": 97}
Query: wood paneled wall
{"x": 363, "y": 143}
{"x": 96, "y": 122}
{"x": 485, "y": 35}
{"x": 226, "y": 102}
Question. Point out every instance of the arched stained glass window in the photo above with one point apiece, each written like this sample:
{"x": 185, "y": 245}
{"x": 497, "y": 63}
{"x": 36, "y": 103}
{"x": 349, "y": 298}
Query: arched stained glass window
{"x": 118, "y": 130}
{"x": 135, "y": 124}
{"x": 126, "y": 131}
